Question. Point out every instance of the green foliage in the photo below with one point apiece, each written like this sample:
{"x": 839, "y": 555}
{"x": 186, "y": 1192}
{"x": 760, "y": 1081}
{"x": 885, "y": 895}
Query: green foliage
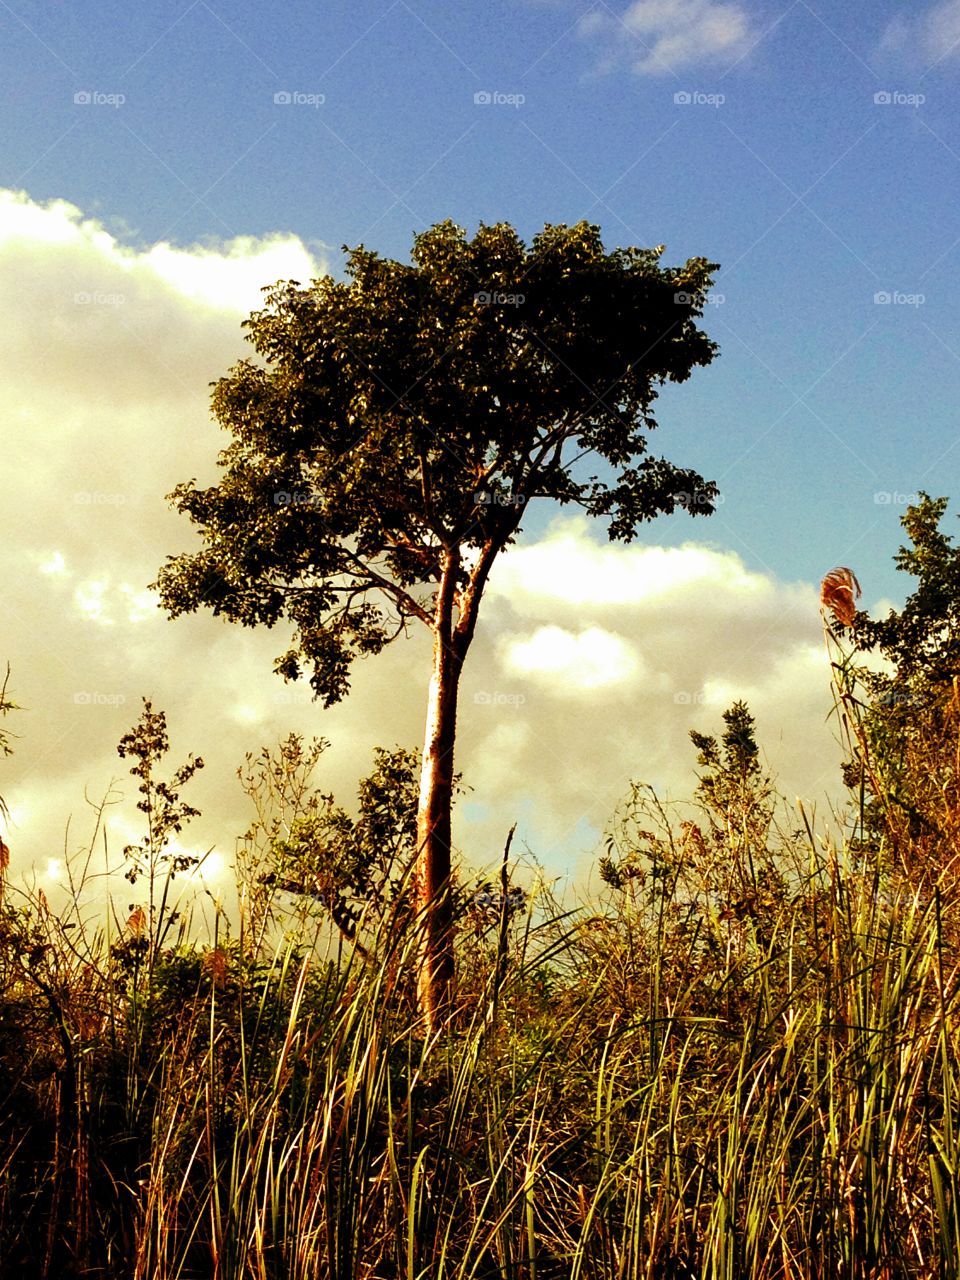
{"x": 387, "y": 442}
{"x": 355, "y": 866}
{"x": 166, "y": 813}
{"x": 678, "y": 1080}
{"x": 715, "y": 855}
{"x": 733, "y": 790}
{"x": 741, "y": 1061}
{"x": 353, "y": 870}
{"x": 921, "y": 640}
{"x": 279, "y": 783}
{"x": 907, "y": 714}
{"x": 405, "y": 415}
{"x": 6, "y": 704}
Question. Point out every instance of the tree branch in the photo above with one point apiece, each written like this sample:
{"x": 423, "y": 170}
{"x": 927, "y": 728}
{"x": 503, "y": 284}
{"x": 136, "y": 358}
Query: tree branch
{"x": 470, "y": 597}
{"x": 403, "y": 598}
{"x": 436, "y": 528}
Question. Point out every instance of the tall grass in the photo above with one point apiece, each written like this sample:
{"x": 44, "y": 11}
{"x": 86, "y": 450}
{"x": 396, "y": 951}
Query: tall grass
{"x": 789, "y": 1112}
{"x": 739, "y": 1061}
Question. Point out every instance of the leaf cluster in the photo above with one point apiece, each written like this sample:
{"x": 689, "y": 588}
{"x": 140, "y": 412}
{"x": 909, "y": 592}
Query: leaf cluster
{"x": 353, "y": 866}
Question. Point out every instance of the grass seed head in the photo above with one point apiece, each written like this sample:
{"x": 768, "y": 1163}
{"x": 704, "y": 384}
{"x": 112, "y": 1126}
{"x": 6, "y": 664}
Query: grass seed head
{"x": 839, "y": 592}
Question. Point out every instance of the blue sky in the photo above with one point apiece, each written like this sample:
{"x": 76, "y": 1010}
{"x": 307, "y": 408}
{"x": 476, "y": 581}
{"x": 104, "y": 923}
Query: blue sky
{"x": 813, "y": 152}
{"x": 812, "y": 196}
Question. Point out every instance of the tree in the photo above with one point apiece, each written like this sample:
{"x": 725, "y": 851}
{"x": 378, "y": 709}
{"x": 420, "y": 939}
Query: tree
{"x": 353, "y": 866}
{"x": 734, "y": 792}
{"x": 921, "y": 640}
{"x": 728, "y": 854}
{"x": 908, "y": 713}
{"x": 390, "y": 438}
{"x": 701, "y": 890}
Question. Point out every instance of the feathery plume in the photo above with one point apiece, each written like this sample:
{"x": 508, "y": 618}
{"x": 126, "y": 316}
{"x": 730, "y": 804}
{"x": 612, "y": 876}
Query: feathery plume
{"x": 839, "y": 592}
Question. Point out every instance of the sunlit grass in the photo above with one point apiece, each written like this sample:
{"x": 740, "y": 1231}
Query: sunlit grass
{"x": 739, "y": 1061}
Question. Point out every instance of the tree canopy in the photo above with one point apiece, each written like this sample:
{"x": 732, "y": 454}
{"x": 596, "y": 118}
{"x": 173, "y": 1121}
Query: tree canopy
{"x": 416, "y": 408}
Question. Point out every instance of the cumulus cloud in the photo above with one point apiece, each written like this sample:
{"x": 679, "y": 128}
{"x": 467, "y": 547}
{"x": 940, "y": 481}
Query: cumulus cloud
{"x": 591, "y": 661}
{"x": 105, "y": 369}
{"x": 657, "y": 37}
{"x": 932, "y": 35}
{"x": 571, "y": 663}
{"x": 609, "y": 654}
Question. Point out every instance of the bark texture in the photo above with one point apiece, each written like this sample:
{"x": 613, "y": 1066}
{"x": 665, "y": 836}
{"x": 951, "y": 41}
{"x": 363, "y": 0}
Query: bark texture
{"x": 454, "y": 624}
{"x": 436, "y": 974}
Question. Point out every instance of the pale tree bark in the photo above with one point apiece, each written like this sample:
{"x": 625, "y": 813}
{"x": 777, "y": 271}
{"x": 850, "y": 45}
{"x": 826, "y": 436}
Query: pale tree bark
{"x": 436, "y": 973}
{"x": 451, "y": 640}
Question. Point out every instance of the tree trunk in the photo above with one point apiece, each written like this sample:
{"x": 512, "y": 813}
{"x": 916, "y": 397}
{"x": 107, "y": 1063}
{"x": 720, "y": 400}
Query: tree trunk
{"x": 436, "y": 974}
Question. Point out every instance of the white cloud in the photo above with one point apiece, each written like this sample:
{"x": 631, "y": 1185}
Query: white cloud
{"x": 103, "y": 325}
{"x": 90, "y": 602}
{"x": 104, "y": 376}
{"x": 227, "y": 276}
{"x": 54, "y": 563}
{"x": 570, "y": 563}
{"x": 658, "y": 37}
{"x": 930, "y": 36}
{"x": 231, "y": 276}
{"x": 584, "y": 662}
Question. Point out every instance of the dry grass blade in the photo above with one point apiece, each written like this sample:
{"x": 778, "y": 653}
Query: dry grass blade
{"x": 839, "y": 592}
